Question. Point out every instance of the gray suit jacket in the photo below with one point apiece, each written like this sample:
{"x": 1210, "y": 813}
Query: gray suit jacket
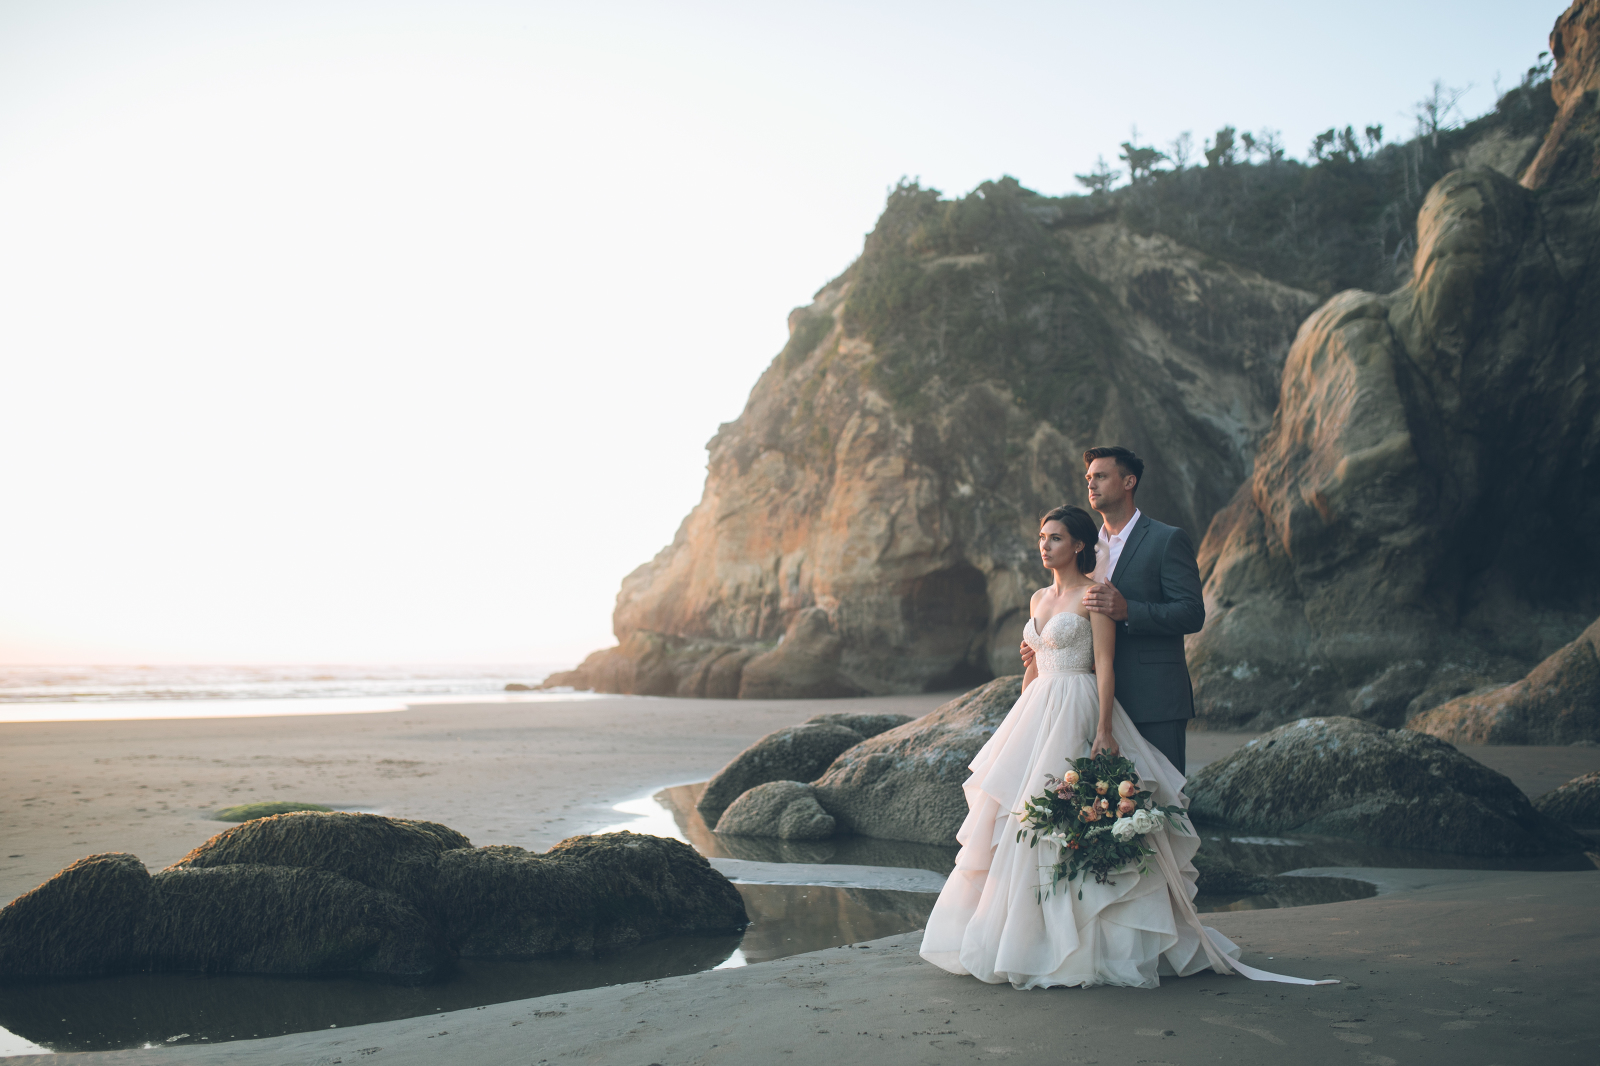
{"x": 1157, "y": 574}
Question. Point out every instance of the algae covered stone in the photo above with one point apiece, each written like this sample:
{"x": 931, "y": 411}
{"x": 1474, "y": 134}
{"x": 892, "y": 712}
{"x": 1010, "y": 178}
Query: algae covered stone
{"x": 787, "y": 810}
{"x": 315, "y": 893}
{"x": 80, "y": 923}
{"x": 247, "y": 812}
{"x": 585, "y": 894}
{"x": 283, "y": 920}
{"x": 394, "y": 854}
{"x": 1342, "y": 777}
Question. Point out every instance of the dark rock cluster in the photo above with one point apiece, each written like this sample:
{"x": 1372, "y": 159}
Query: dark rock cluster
{"x": 359, "y": 893}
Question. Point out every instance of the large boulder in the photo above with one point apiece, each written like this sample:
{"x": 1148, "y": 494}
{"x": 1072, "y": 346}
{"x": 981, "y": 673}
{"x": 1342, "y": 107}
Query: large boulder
{"x": 1576, "y": 803}
{"x": 905, "y": 784}
{"x": 868, "y": 725}
{"x": 787, "y": 810}
{"x": 397, "y": 855}
{"x": 82, "y": 922}
{"x": 794, "y": 753}
{"x": 1367, "y": 568}
{"x": 1342, "y": 777}
{"x": 1557, "y": 703}
{"x": 284, "y": 920}
{"x": 585, "y": 894}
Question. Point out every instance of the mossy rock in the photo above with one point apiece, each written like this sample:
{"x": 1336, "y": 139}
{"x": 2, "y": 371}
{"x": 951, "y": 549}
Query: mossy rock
{"x": 250, "y": 811}
{"x": 396, "y": 855}
{"x": 586, "y": 894}
{"x": 106, "y": 914}
{"x": 80, "y": 923}
{"x": 283, "y": 920}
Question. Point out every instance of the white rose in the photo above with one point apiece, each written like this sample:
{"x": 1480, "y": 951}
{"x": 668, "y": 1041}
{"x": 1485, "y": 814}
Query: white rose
{"x": 1144, "y": 822}
{"x": 1122, "y": 830}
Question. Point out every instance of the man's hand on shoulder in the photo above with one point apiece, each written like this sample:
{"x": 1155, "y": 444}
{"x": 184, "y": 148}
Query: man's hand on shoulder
{"x": 1105, "y": 599}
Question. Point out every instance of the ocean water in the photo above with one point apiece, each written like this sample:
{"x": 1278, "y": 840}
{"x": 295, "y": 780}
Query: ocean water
{"x": 96, "y": 684}
{"x": 99, "y": 693}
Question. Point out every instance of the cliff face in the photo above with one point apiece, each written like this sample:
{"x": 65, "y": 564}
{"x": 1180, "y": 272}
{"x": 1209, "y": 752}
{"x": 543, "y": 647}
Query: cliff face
{"x": 1419, "y": 522}
{"x": 875, "y": 505}
{"x": 1424, "y": 516}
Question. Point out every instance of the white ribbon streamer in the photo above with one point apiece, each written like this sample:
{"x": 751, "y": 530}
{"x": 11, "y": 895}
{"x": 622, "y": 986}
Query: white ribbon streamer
{"x": 1183, "y": 905}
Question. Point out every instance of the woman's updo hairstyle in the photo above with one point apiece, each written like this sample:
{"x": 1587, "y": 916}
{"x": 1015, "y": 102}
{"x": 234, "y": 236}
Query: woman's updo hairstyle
{"x": 1081, "y": 528}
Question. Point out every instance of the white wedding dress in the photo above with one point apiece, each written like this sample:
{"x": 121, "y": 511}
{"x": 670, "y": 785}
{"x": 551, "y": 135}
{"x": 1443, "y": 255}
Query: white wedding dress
{"x": 990, "y": 921}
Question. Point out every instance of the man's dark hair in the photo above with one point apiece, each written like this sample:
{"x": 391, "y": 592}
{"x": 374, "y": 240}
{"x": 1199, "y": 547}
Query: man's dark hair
{"x": 1126, "y": 461}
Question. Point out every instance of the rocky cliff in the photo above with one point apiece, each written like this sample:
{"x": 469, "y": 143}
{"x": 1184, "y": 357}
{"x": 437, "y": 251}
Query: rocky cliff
{"x": 1424, "y": 515}
{"x": 1417, "y": 525}
{"x": 868, "y": 522}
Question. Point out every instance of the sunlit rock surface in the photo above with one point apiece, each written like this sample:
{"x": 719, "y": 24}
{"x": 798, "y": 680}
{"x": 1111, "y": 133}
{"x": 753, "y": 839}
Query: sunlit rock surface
{"x": 875, "y": 505}
{"x": 1557, "y": 703}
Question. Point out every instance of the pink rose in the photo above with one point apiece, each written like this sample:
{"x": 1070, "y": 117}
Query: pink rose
{"x": 1127, "y": 789}
{"x": 1089, "y": 814}
{"x": 1102, "y": 787}
{"x": 1104, "y": 805}
{"x": 1125, "y": 806}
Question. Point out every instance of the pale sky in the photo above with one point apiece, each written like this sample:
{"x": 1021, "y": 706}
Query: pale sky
{"x": 335, "y": 331}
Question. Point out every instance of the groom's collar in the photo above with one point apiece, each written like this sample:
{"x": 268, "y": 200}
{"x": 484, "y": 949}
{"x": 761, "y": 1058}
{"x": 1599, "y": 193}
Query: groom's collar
{"x": 1132, "y": 523}
{"x": 1132, "y": 534}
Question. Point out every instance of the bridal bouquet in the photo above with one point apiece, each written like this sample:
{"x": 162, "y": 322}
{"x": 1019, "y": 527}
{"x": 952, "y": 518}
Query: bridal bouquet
{"x": 1098, "y": 814}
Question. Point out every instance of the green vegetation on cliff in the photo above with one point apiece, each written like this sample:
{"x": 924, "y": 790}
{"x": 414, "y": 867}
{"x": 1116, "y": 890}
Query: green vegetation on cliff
{"x": 954, "y": 291}
{"x": 958, "y": 291}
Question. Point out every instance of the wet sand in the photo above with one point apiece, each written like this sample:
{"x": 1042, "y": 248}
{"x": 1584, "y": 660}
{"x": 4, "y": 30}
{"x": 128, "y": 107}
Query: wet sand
{"x": 1433, "y": 957}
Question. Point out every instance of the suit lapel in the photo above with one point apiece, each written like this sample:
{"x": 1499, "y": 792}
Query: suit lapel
{"x": 1129, "y": 549}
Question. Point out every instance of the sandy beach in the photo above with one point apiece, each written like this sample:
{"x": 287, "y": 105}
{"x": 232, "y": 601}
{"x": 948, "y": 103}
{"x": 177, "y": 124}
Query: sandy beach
{"x": 1429, "y": 961}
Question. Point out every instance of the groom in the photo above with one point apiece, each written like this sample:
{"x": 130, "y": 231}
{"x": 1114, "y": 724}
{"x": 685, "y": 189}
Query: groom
{"x": 1152, "y": 593}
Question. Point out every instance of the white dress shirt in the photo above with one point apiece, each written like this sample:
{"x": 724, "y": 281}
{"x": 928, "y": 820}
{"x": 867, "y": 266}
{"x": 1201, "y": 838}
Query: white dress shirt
{"x": 1114, "y": 543}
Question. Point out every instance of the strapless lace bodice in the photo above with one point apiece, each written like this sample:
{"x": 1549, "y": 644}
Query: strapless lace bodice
{"x": 1065, "y": 647}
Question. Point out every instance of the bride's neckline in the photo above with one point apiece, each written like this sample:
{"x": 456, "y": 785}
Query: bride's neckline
{"x": 1039, "y": 629}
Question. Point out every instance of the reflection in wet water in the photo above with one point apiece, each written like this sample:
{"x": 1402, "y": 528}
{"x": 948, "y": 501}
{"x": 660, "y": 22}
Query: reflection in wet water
{"x": 675, "y": 806}
{"x": 155, "y": 1010}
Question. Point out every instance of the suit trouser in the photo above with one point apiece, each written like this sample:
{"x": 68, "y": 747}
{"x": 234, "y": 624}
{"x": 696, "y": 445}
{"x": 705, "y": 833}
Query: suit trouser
{"x": 1169, "y": 738}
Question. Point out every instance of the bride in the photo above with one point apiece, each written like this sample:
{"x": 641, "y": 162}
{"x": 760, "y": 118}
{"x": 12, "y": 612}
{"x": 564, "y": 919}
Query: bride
{"x": 995, "y": 918}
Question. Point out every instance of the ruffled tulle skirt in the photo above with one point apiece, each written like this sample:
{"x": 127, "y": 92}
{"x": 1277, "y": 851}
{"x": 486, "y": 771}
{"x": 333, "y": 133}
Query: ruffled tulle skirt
{"x": 996, "y": 918}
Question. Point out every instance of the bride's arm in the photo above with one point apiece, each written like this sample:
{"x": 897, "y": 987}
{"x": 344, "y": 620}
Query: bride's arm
{"x": 1105, "y": 650}
{"x": 1029, "y": 674}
